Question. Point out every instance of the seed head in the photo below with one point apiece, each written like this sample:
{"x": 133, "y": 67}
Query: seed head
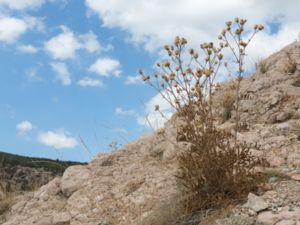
{"x": 166, "y": 47}
{"x": 228, "y": 23}
{"x": 260, "y": 27}
{"x": 177, "y": 40}
{"x": 243, "y": 21}
{"x": 156, "y": 107}
{"x": 172, "y": 76}
{"x": 220, "y": 56}
{"x": 191, "y": 51}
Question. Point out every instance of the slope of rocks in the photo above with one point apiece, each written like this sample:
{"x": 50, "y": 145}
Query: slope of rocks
{"x": 135, "y": 184}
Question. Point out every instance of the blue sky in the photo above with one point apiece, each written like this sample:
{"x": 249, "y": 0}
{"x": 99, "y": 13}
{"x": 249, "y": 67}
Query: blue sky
{"x": 68, "y": 68}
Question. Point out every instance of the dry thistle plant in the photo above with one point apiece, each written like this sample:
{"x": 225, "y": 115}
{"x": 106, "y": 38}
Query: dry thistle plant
{"x": 217, "y": 167}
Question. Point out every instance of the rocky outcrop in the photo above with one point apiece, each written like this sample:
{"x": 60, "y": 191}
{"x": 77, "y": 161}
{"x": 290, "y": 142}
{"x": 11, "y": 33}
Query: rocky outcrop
{"x": 133, "y": 184}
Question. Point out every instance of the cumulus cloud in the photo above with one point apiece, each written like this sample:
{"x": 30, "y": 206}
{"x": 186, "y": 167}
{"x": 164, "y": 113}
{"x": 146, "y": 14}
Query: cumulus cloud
{"x": 106, "y": 67}
{"x": 21, "y": 4}
{"x": 59, "y": 139}
{"x": 24, "y": 127}
{"x": 90, "y": 42}
{"x": 63, "y": 46}
{"x": 197, "y": 20}
{"x": 11, "y": 29}
{"x": 66, "y": 44}
{"x": 89, "y": 82}
{"x": 29, "y": 49}
{"x": 62, "y": 73}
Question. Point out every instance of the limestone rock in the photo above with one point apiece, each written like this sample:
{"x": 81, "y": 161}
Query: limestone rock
{"x": 256, "y": 203}
{"x": 74, "y": 178}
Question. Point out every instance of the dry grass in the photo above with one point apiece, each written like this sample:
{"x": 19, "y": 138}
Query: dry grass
{"x": 261, "y": 66}
{"x": 290, "y": 65}
{"x": 225, "y": 104}
{"x": 216, "y": 172}
{"x": 6, "y": 203}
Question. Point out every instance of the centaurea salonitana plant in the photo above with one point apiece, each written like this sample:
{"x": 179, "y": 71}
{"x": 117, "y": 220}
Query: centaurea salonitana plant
{"x": 213, "y": 169}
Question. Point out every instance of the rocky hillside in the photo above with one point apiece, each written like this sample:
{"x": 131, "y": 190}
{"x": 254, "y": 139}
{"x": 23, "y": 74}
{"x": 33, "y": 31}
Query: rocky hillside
{"x": 136, "y": 185}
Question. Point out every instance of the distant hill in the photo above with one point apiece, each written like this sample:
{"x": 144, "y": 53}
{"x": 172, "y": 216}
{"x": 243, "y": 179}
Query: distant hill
{"x": 21, "y": 173}
{"x": 56, "y": 166}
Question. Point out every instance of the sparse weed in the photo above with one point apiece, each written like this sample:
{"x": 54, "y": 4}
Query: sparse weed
{"x": 217, "y": 168}
{"x": 290, "y": 65}
{"x": 261, "y": 66}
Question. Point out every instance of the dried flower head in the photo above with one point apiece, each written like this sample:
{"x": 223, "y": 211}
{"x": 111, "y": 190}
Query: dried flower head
{"x": 167, "y": 64}
{"x": 166, "y": 47}
{"x": 228, "y": 23}
{"x": 260, "y": 27}
{"x": 191, "y": 51}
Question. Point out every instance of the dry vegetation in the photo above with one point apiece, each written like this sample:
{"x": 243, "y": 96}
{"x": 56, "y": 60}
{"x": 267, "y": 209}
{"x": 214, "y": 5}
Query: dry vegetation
{"x": 261, "y": 66}
{"x": 217, "y": 168}
{"x": 290, "y": 65}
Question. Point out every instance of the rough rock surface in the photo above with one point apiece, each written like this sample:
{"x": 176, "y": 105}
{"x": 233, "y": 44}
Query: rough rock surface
{"x": 127, "y": 186}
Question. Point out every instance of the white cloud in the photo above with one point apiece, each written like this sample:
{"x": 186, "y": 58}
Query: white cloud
{"x": 152, "y": 118}
{"x": 66, "y": 44}
{"x": 132, "y": 80}
{"x": 57, "y": 139}
{"x": 90, "y": 42}
{"x": 27, "y": 49}
{"x": 155, "y": 23}
{"x": 121, "y": 112}
{"x": 106, "y": 67}
{"x": 24, "y": 127}
{"x": 11, "y": 29}
{"x": 62, "y": 72}
{"x": 21, "y": 4}
{"x": 89, "y": 82}
{"x": 63, "y": 46}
